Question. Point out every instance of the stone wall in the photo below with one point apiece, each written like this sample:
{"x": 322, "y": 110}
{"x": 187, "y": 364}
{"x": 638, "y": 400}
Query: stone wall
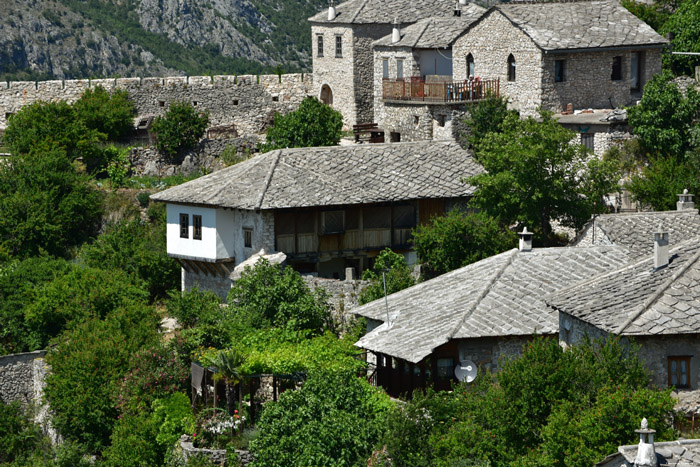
{"x": 364, "y": 36}
{"x": 186, "y": 451}
{"x": 490, "y": 42}
{"x": 22, "y": 377}
{"x": 489, "y": 353}
{"x": 247, "y": 101}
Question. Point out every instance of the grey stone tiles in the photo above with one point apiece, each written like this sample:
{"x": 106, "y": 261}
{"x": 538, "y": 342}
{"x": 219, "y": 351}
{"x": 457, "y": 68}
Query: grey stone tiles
{"x": 332, "y": 176}
{"x": 638, "y": 299}
{"x": 635, "y": 230}
{"x": 434, "y": 32}
{"x": 385, "y": 11}
{"x": 580, "y": 25}
{"x": 498, "y": 296}
{"x": 679, "y": 453}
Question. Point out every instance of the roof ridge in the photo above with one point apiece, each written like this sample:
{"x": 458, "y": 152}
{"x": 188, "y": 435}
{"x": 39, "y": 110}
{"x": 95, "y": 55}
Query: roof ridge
{"x": 662, "y": 288}
{"x": 273, "y": 166}
{"x": 483, "y": 293}
{"x": 361, "y": 7}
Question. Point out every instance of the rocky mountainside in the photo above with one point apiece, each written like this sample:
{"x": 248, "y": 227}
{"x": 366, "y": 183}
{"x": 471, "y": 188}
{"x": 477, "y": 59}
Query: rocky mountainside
{"x": 64, "y": 39}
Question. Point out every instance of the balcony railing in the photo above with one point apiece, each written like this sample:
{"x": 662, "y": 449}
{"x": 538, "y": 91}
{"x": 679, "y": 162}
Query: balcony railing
{"x": 417, "y": 90}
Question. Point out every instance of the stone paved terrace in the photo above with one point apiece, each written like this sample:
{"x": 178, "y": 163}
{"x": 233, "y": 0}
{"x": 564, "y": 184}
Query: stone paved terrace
{"x": 498, "y": 296}
{"x": 580, "y": 25}
{"x": 334, "y": 176}
{"x": 639, "y": 300}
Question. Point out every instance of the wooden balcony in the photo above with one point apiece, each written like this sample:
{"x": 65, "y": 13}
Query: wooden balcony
{"x": 417, "y": 90}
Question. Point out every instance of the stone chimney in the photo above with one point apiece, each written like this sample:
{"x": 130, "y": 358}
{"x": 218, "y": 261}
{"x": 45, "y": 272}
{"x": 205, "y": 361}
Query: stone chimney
{"x": 395, "y": 31}
{"x": 646, "y": 456}
{"x": 463, "y": 2}
{"x": 685, "y": 201}
{"x": 458, "y": 8}
{"x": 660, "y": 248}
{"x": 525, "y": 243}
{"x": 331, "y": 11}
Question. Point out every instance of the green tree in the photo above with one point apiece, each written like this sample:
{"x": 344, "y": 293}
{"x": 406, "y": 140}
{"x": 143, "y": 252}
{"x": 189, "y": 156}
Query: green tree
{"x": 655, "y": 14}
{"x": 110, "y": 114}
{"x": 535, "y": 175}
{"x": 334, "y": 419}
{"x": 485, "y": 117}
{"x": 684, "y": 25}
{"x": 228, "y": 365}
{"x": 398, "y": 276}
{"x": 180, "y": 128}
{"x": 458, "y": 239}
{"x": 269, "y": 295}
{"x": 45, "y": 204}
{"x": 312, "y": 124}
{"x": 87, "y": 366}
{"x": 133, "y": 443}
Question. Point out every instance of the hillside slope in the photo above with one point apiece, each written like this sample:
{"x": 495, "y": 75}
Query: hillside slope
{"x": 64, "y": 39}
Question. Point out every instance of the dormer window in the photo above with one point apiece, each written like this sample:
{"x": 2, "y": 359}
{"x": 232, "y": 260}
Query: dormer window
{"x": 511, "y": 68}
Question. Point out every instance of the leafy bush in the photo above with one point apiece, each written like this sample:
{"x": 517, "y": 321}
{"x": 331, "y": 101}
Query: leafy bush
{"x": 144, "y": 198}
{"x": 110, "y": 114}
{"x": 118, "y": 165}
{"x": 398, "y": 276}
{"x": 485, "y": 117}
{"x": 45, "y": 204}
{"x": 180, "y": 128}
{"x": 269, "y": 295}
{"x": 133, "y": 443}
{"x": 312, "y": 124}
{"x": 20, "y": 436}
{"x": 88, "y": 365}
{"x": 458, "y": 239}
{"x": 334, "y": 419}
{"x": 192, "y": 306}
{"x": 173, "y": 417}
{"x": 685, "y": 32}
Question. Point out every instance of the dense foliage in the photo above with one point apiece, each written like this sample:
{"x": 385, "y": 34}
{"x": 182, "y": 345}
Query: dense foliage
{"x": 46, "y": 204}
{"x": 458, "y": 239}
{"x": 684, "y": 27}
{"x": 535, "y": 175}
{"x": 397, "y": 274}
{"x": 548, "y": 407}
{"x": 334, "y": 419}
{"x": 312, "y": 124}
{"x": 180, "y": 128}
{"x": 484, "y": 118}
{"x": 110, "y": 114}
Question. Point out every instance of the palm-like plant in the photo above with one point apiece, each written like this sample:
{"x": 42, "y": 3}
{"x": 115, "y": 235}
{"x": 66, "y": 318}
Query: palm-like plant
{"x": 228, "y": 365}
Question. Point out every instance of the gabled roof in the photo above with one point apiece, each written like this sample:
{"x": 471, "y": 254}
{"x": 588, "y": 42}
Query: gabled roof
{"x": 580, "y": 25}
{"x": 635, "y": 230}
{"x": 498, "y": 296}
{"x": 385, "y": 11}
{"x": 639, "y": 300}
{"x": 682, "y": 452}
{"x": 333, "y": 176}
{"x": 432, "y": 33}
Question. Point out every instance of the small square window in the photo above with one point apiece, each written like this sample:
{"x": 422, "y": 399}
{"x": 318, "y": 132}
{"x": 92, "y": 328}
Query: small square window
{"x": 679, "y": 372}
{"x": 248, "y": 238}
{"x": 161, "y": 103}
{"x": 195, "y": 103}
{"x": 197, "y": 227}
{"x": 184, "y": 226}
{"x": 339, "y": 46}
{"x": 559, "y": 71}
{"x": 235, "y": 102}
{"x": 441, "y": 120}
{"x": 319, "y": 45}
{"x": 275, "y": 98}
{"x": 332, "y": 222}
{"x": 616, "y": 69}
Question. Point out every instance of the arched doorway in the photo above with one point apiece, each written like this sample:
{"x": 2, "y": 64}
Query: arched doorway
{"x": 326, "y": 95}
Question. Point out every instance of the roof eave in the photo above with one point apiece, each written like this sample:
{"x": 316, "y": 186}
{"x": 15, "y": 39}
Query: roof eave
{"x": 604, "y": 49}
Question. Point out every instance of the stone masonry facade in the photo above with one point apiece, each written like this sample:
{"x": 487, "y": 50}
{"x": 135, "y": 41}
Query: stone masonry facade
{"x": 247, "y": 101}
{"x": 22, "y": 377}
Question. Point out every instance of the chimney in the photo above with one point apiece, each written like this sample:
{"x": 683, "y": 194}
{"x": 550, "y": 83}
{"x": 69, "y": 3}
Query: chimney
{"x": 660, "y": 248}
{"x": 685, "y": 201}
{"x": 646, "y": 456}
{"x": 525, "y": 243}
{"x": 395, "y": 31}
{"x": 458, "y": 8}
{"x": 331, "y": 11}
{"x": 463, "y": 2}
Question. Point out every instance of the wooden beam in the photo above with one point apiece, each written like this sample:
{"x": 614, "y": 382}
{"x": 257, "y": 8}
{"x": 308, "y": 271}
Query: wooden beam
{"x": 210, "y": 268}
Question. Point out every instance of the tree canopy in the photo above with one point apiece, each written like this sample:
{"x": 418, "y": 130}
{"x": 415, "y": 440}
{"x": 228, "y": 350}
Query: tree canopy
{"x": 397, "y": 272}
{"x": 180, "y": 128}
{"x": 684, "y": 27}
{"x": 312, "y": 124}
{"x": 110, "y": 114}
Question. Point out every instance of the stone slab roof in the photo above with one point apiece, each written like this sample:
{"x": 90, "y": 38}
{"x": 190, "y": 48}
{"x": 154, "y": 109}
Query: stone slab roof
{"x": 498, "y": 296}
{"x": 638, "y": 299}
{"x": 682, "y": 452}
{"x": 580, "y": 25}
{"x": 431, "y": 33}
{"x": 333, "y": 176}
{"x": 635, "y": 230}
{"x": 385, "y": 11}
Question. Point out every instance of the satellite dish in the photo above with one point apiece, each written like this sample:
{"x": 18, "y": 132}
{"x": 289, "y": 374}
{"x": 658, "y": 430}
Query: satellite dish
{"x": 466, "y": 371}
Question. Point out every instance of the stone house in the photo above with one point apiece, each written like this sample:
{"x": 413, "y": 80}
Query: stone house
{"x": 326, "y": 208}
{"x": 591, "y": 54}
{"x": 482, "y": 312}
{"x": 655, "y": 300}
{"x": 342, "y": 39}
